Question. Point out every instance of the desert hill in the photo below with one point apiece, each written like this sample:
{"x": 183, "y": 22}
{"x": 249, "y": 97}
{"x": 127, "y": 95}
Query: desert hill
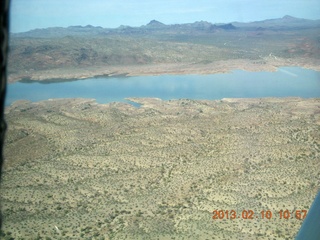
{"x": 84, "y": 51}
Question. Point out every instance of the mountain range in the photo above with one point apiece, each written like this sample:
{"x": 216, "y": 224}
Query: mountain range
{"x": 285, "y": 23}
{"x": 84, "y": 51}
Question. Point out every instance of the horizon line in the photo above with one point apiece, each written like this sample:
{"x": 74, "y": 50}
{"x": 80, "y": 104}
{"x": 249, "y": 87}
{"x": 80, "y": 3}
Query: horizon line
{"x": 122, "y": 25}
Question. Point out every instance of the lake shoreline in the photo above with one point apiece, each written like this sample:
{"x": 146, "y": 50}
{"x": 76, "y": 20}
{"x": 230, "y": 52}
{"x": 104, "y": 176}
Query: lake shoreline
{"x": 283, "y": 82}
{"x": 269, "y": 64}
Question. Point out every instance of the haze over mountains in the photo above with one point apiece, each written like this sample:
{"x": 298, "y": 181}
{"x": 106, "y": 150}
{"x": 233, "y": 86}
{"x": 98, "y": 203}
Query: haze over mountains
{"x": 287, "y": 22}
{"x": 156, "y": 48}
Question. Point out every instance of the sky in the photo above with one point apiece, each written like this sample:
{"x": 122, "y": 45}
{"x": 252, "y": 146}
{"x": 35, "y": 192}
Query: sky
{"x": 26, "y": 15}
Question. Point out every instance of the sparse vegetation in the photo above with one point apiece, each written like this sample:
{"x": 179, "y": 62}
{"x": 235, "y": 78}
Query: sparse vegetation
{"x": 58, "y": 180}
{"x": 70, "y": 53}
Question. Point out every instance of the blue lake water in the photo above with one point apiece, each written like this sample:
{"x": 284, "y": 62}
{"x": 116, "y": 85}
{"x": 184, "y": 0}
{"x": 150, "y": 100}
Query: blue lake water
{"x": 286, "y": 82}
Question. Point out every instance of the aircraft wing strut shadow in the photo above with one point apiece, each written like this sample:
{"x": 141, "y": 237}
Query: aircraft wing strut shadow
{"x": 310, "y": 228}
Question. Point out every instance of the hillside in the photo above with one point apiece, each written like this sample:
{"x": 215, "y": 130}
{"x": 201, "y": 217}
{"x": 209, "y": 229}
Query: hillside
{"x": 77, "y": 51}
{"x": 113, "y": 171}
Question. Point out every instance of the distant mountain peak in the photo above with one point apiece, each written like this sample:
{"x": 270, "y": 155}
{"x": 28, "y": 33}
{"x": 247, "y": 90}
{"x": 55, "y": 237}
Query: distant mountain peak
{"x": 155, "y": 23}
{"x": 87, "y": 26}
{"x": 228, "y": 26}
{"x": 288, "y": 17}
{"x": 202, "y": 23}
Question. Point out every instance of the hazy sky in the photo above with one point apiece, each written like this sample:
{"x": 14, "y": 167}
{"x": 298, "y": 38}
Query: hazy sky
{"x": 31, "y": 14}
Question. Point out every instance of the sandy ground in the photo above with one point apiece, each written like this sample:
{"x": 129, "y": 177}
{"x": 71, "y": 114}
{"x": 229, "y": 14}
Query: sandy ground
{"x": 76, "y": 169}
{"x": 270, "y": 63}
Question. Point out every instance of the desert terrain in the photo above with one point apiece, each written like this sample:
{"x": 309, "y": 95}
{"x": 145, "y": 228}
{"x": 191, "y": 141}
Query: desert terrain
{"x": 155, "y": 48}
{"x": 75, "y": 169}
